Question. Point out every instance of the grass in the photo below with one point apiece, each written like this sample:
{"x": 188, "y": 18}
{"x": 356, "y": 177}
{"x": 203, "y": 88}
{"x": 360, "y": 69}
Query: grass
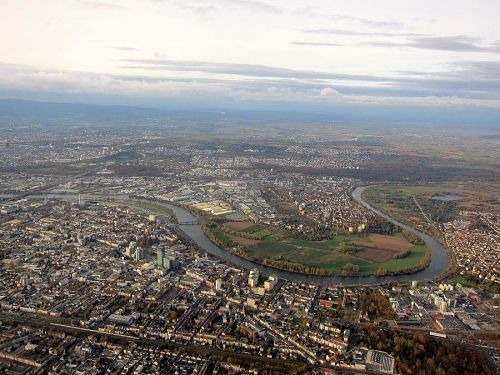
{"x": 382, "y": 197}
{"x": 476, "y": 194}
{"x": 221, "y": 235}
{"x": 325, "y": 254}
{"x": 417, "y": 253}
{"x": 262, "y": 233}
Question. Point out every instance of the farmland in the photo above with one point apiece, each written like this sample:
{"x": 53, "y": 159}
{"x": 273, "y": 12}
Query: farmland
{"x": 344, "y": 254}
{"x": 425, "y": 206}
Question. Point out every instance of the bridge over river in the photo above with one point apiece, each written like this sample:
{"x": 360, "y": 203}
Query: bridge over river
{"x": 439, "y": 261}
{"x": 190, "y": 226}
{"x": 194, "y": 222}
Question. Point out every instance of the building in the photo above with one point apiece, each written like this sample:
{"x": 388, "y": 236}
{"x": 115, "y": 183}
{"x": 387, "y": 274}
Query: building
{"x": 139, "y": 253}
{"x": 130, "y": 251}
{"x": 253, "y": 278}
{"x": 218, "y": 285}
{"x": 121, "y": 319}
{"x": 377, "y": 360}
{"x": 443, "y": 306}
{"x": 80, "y": 238}
{"x": 81, "y": 202}
{"x": 161, "y": 257}
{"x": 270, "y": 283}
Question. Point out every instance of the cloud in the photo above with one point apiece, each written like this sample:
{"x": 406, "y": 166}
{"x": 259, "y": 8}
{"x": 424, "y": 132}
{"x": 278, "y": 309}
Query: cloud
{"x": 199, "y": 8}
{"x": 359, "y": 33}
{"x": 440, "y": 101}
{"x": 385, "y": 44}
{"x": 250, "y": 70}
{"x": 379, "y": 24}
{"x": 102, "y": 5}
{"x": 461, "y": 83}
{"x": 460, "y": 80}
{"x": 489, "y": 70}
{"x": 128, "y": 49}
{"x": 456, "y": 87}
{"x": 458, "y": 43}
{"x": 52, "y": 80}
{"x": 203, "y": 7}
{"x": 255, "y": 5}
{"x": 321, "y": 44}
{"x": 328, "y": 91}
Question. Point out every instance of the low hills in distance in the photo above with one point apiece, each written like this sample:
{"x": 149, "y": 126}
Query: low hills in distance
{"x": 354, "y": 115}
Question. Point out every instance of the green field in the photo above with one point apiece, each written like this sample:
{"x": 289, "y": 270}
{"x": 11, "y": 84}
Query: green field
{"x": 324, "y": 254}
{"x": 221, "y": 236}
{"x": 398, "y": 201}
{"x": 371, "y": 255}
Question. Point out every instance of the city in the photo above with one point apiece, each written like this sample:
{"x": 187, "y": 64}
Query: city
{"x": 258, "y": 187}
{"x": 106, "y": 255}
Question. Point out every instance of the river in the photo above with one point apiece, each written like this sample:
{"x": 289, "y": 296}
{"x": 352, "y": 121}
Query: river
{"x": 439, "y": 260}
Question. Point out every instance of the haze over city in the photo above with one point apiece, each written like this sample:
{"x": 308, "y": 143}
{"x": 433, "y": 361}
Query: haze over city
{"x": 249, "y": 54}
{"x": 249, "y": 187}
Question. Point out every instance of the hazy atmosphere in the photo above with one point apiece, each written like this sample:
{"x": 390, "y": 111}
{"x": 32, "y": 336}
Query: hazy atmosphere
{"x": 243, "y": 187}
{"x": 322, "y": 56}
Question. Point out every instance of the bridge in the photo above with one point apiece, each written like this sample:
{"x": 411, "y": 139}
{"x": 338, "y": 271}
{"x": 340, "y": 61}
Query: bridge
{"x": 193, "y": 222}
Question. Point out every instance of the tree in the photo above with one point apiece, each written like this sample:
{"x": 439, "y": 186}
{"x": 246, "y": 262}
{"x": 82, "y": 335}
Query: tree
{"x": 350, "y": 268}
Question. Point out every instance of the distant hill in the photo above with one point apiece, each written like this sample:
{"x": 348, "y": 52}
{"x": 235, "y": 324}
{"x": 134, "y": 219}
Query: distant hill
{"x": 29, "y": 108}
{"x": 352, "y": 115}
{"x": 51, "y": 114}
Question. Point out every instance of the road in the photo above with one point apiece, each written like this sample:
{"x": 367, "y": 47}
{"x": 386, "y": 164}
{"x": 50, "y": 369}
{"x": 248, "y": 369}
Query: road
{"x": 47, "y": 323}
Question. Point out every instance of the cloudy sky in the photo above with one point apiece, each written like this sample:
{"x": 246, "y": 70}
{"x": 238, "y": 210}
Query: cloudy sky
{"x": 253, "y": 53}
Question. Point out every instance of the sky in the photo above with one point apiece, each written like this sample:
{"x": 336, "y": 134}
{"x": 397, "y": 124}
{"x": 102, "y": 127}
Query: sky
{"x": 317, "y": 55}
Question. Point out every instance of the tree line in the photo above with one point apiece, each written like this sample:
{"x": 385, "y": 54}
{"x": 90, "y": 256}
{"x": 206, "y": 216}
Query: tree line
{"x": 420, "y": 354}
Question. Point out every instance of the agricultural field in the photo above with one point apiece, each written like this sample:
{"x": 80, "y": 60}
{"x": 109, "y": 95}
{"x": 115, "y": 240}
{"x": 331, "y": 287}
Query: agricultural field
{"x": 244, "y": 230}
{"x": 243, "y": 241}
{"x": 425, "y": 206}
{"x": 381, "y": 248}
{"x": 241, "y": 225}
{"x": 364, "y": 254}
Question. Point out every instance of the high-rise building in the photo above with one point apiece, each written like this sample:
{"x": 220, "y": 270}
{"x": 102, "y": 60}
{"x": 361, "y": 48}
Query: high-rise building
{"x": 161, "y": 257}
{"x": 81, "y": 202}
{"x": 138, "y": 253}
{"x": 218, "y": 285}
{"x": 130, "y": 251}
{"x": 253, "y": 278}
{"x": 443, "y": 306}
{"x": 270, "y": 283}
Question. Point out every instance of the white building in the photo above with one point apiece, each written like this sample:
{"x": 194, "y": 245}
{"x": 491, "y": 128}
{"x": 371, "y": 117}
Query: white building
{"x": 253, "y": 278}
{"x": 218, "y": 285}
{"x": 139, "y": 253}
{"x": 270, "y": 283}
{"x": 130, "y": 251}
{"x": 161, "y": 257}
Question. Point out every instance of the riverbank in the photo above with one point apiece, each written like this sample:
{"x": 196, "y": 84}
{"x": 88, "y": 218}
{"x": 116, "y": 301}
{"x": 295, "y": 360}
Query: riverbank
{"x": 384, "y": 197}
{"x": 438, "y": 264}
{"x": 344, "y": 255}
